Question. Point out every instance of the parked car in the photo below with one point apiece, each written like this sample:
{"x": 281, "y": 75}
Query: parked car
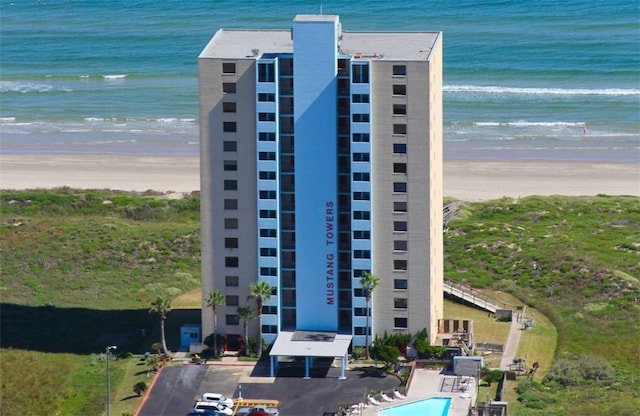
{"x": 206, "y": 413}
{"x": 217, "y": 397}
{"x": 201, "y": 407}
{"x": 261, "y": 410}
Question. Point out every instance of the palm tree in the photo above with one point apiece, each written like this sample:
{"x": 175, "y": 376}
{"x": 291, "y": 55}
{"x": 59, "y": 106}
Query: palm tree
{"x": 261, "y": 292}
{"x": 245, "y": 314}
{"x": 215, "y": 299}
{"x": 161, "y": 306}
{"x": 368, "y": 283}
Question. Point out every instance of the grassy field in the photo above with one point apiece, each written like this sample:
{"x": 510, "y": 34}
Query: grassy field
{"x": 576, "y": 260}
{"x": 79, "y": 270}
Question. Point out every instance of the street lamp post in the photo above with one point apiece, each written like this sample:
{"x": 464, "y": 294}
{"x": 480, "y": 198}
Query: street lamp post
{"x": 107, "y": 353}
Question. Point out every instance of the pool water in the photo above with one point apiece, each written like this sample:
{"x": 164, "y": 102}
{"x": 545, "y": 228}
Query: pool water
{"x": 435, "y": 406}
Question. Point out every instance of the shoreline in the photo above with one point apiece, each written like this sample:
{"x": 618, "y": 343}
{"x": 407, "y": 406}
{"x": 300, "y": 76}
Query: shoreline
{"x": 467, "y": 180}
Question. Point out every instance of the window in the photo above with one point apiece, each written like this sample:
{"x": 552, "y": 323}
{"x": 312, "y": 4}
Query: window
{"x": 268, "y": 252}
{"x": 231, "y": 261}
{"x": 399, "y": 148}
{"x": 230, "y": 146}
{"x": 266, "y": 116}
{"x": 399, "y": 187}
{"x": 230, "y": 185}
{"x": 361, "y": 196}
{"x": 268, "y": 271}
{"x": 361, "y": 176}
{"x": 228, "y": 68}
{"x": 399, "y": 206}
{"x": 398, "y": 303}
{"x": 266, "y": 72}
{"x": 400, "y": 245}
{"x": 400, "y": 284}
{"x": 360, "y": 74}
{"x": 269, "y": 310}
{"x": 360, "y": 118}
{"x": 399, "y": 129}
{"x": 361, "y": 215}
{"x": 360, "y": 311}
{"x": 232, "y": 320}
{"x": 268, "y": 232}
{"x": 232, "y": 300}
{"x": 232, "y": 281}
{"x": 266, "y": 136}
{"x": 229, "y": 87}
{"x": 230, "y": 204}
{"x": 267, "y": 175}
{"x": 229, "y": 107}
{"x": 269, "y": 329}
{"x": 400, "y": 70}
{"x": 267, "y": 213}
{"x": 230, "y": 165}
{"x": 399, "y": 89}
{"x": 267, "y": 194}
{"x": 358, "y": 292}
{"x": 399, "y": 322}
{"x": 359, "y": 330}
{"x": 231, "y": 242}
{"x": 362, "y": 254}
{"x": 360, "y": 98}
{"x": 399, "y": 226}
{"x": 362, "y": 235}
{"x": 266, "y": 97}
{"x": 399, "y": 265}
{"x": 230, "y": 223}
{"x": 361, "y": 157}
{"x": 229, "y": 126}
{"x": 399, "y": 109}
{"x": 399, "y": 168}
{"x": 267, "y": 155}
{"x": 361, "y": 137}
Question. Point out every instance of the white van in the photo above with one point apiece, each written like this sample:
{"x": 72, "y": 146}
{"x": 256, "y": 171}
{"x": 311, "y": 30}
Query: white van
{"x": 201, "y": 407}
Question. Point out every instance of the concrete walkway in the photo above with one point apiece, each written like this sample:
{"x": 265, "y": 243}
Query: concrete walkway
{"x": 511, "y": 346}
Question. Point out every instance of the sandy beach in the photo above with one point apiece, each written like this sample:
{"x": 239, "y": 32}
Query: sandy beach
{"x": 468, "y": 180}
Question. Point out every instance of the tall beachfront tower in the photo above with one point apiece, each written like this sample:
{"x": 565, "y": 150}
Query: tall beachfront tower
{"x": 321, "y": 159}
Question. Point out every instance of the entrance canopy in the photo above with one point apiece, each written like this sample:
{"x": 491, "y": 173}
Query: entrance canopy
{"x": 310, "y": 344}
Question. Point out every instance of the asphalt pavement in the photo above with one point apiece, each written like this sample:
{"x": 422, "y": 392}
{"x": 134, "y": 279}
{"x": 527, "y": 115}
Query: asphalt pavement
{"x": 176, "y": 388}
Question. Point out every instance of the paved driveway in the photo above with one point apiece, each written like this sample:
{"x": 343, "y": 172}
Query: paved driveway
{"x": 175, "y": 389}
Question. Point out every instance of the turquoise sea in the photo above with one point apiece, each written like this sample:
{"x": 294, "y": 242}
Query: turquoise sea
{"x": 538, "y": 80}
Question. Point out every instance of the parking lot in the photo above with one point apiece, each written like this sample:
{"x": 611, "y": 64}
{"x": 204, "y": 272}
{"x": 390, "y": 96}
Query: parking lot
{"x": 176, "y": 387}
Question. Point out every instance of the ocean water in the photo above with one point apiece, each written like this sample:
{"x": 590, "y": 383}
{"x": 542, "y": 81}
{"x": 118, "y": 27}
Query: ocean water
{"x": 543, "y": 80}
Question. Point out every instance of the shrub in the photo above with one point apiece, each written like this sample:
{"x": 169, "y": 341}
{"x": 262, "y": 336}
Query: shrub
{"x": 595, "y": 368}
{"x": 386, "y": 353}
{"x": 139, "y": 388}
{"x": 493, "y": 376}
{"x": 358, "y": 353}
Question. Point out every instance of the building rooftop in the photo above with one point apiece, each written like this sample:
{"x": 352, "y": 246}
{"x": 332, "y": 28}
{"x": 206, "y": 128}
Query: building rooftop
{"x": 252, "y": 44}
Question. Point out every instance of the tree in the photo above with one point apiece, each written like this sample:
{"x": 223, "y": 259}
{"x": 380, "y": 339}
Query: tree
{"x": 245, "y": 314}
{"x": 368, "y": 283}
{"x": 139, "y": 388}
{"x": 215, "y": 299}
{"x": 161, "y": 306}
{"x": 261, "y": 292}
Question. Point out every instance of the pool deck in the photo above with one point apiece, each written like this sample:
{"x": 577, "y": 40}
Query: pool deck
{"x": 432, "y": 383}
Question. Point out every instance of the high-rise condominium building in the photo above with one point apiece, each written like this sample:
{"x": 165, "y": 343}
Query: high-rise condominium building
{"x": 321, "y": 160}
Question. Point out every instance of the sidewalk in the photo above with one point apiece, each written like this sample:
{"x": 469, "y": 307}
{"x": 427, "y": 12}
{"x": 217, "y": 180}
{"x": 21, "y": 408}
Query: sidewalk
{"x": 511, "y": 346}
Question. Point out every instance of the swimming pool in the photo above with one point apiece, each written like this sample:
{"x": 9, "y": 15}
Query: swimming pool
{"x": 435, "y": 406}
